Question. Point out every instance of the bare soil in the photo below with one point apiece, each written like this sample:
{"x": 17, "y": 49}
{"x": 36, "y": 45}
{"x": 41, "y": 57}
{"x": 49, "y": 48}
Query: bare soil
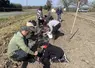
{"x": 80, "y": 50}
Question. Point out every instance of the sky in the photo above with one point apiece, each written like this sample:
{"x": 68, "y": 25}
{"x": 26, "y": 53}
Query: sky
{"x": 35, "y": 2}
{"x": 90, "y": 0}
{"x": 30, "y": 2}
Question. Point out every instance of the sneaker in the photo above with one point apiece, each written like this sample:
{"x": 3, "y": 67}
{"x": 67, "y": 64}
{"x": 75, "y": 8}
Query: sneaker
{"x": 65, "y": 58}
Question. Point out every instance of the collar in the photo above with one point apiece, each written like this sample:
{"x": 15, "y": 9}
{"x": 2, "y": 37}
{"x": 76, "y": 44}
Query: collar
{"x": 19, "y": 33}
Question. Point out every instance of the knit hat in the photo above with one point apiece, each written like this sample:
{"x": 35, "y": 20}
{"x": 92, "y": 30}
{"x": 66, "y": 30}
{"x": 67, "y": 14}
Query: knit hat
{"x": 25, "y": 28}
{"x": 44, "y": 44}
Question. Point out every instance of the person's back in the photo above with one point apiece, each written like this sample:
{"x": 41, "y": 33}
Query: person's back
{"x": 59, "y": 11}
{"x": 57, "y": 51}
{"x": 53, "y": 51}
{"x": 53, "y": 22}
{"x": 54, "y": 25}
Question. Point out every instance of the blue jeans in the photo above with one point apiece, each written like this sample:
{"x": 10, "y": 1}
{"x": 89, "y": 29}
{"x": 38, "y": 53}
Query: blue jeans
{"x": 19, "y": 55}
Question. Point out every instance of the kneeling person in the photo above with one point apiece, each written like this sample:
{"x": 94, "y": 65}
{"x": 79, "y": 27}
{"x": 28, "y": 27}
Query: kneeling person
{"x": 17, "y": 48}
{"x": 54, "y": 26}
{"x": 53, "y": 53}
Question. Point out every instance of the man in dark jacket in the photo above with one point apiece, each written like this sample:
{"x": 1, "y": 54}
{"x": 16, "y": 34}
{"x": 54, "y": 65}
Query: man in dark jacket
{"x": 51, "y": 53}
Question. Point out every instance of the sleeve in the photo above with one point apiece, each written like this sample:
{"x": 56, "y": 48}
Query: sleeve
{"x": 39, "y": 13}
{"x": 23, "y": 46}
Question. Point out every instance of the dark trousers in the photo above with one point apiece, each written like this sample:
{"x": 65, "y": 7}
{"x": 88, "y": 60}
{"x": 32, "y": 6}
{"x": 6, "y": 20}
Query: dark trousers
{"x": 46, "y": 63}
{"x": 55, "y": 28}
{"x": 40, "y": 22}
{"x": 19, "y": 55}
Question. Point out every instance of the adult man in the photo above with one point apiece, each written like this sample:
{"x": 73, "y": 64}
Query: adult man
{"x": 59, "y": 12}
{"x": 17, "y": 48}
{"x": 54, "y": 26}
{"x": 53, "y": 53}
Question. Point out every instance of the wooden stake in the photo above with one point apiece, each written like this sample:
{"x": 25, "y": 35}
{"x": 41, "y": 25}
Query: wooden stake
{"x": 73, "y": 34}
{"x": 75, "y": 17}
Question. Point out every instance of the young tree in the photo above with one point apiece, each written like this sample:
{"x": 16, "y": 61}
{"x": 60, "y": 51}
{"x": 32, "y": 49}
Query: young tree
{"x": 4, "y": 3}
{"x": 49, "y": 4}
{"x": 93, "y": 4}
{"x": 66, "y": 3}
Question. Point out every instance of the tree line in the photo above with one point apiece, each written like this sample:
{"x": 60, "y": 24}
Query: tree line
{"x": 66, "y": 3}
{"x": 5, "y": 5}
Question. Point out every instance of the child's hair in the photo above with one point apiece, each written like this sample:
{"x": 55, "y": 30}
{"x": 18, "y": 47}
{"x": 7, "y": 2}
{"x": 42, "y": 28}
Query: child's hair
{"x": 34, "y": 22}
{"x": 43, "y": 43}
{"x": 45, "y": 16}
